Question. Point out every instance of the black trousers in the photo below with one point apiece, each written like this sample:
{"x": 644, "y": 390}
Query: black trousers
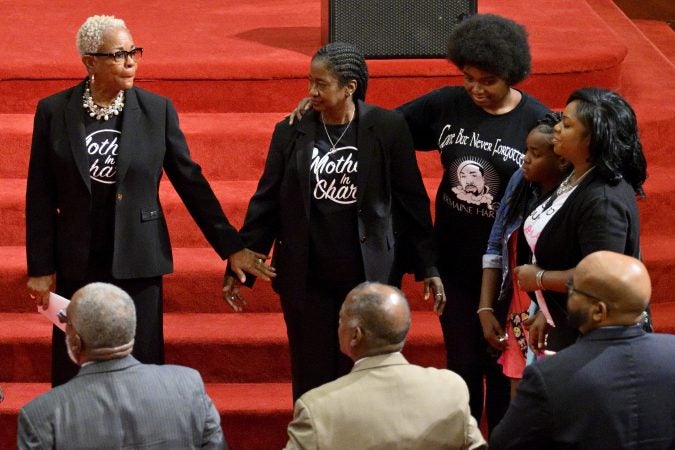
{"x": 469, "y": 354}
{"x": 149, "y": 341}
{"x": 312, "y": 338}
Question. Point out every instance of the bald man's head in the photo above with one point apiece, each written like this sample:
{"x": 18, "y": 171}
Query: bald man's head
{"x": 374, "y": 319}
{"x": 101, "y": 323}
{"x": 619, "y": 281}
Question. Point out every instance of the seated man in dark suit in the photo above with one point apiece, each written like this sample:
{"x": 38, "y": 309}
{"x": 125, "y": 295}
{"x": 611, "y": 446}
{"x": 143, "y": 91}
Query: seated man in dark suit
{"x": 385, "y": 402}
{"x": 115, "y": 401}
{"x": 614, "y": 388}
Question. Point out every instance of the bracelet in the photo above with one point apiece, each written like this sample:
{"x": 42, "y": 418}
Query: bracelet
{"x": 480, "y": 310}
{"x": 540, "y": 279}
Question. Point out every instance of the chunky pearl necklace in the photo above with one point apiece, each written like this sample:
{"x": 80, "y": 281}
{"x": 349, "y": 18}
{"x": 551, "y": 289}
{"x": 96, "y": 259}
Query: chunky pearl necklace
{"x": 102, "y": 112}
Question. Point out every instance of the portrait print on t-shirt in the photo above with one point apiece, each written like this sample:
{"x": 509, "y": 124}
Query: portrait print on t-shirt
{"x": 334, "y": 175}
{"x": 474, "y": 181}
{"x": 102, "y": 147}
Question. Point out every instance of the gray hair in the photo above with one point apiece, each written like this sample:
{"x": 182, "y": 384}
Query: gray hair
{"x": 90, "y": 34}
{"x": 103, "y": 315}
{"x": 369, "y": 306}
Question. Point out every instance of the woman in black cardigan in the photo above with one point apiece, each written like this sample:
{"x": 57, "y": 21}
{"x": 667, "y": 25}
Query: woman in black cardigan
{"x": 593, "y": 209}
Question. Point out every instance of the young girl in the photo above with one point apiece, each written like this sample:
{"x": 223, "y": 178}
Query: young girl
{"x": 541, "y": 172}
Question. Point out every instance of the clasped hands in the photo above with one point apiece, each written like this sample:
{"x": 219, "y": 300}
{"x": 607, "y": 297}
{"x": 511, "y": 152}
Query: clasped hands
{"x": 251, "y": 262}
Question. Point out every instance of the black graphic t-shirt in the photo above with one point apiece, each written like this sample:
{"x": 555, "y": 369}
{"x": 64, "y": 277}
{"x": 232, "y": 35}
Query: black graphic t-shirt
{"x": 102, "y": 144}
{"x": 479, "y": 152}
{"x": 335, "y": 253}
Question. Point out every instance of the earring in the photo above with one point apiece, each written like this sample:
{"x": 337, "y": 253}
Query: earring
{"x": 91, "y": 78}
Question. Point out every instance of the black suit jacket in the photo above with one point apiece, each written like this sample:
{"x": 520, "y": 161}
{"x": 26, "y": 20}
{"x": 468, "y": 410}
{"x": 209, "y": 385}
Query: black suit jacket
{"x": 58, "y": 198}
{"x": 389, "y": 183}
{"x": 613, "y": 389}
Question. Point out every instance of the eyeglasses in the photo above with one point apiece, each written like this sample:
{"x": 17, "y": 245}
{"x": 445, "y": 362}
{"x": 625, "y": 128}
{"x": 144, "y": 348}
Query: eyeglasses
{"x": 121, "y": 55}
{"x": 62, "y": 316}
{"x": 571, "y": 289}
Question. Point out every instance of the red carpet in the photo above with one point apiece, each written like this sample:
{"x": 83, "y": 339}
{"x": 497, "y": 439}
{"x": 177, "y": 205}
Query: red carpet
{"x": 235, "y": 68}
{"x": 661, "y": 35}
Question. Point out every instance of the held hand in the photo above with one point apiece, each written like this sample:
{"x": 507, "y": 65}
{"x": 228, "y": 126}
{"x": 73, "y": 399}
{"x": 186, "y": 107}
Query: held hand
{"x": 538, "y": 328}
{"x": 435, "y": 285}
{"x": 492, "y": 330}
{"x": 39, "y": 288}
{"x": 300, "y": 110}
{"x": 251, "y": 262}
{"x": 527, "y": 277}
{"x": 232, "y": 294}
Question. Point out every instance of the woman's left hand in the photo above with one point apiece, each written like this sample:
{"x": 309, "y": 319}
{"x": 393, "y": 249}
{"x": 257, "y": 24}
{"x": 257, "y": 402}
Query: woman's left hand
{"x": 232, "y": 294}
{"x": 527, "y": 277}
{"x": 435, "y": 285}
{"x": 538, "y": 329}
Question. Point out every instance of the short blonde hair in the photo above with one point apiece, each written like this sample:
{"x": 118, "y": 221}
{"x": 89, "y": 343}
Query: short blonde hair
{"x": 90, "y": 34}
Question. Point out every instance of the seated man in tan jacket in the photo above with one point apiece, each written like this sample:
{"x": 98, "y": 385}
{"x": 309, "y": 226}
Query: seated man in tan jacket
{"x": 385, "y": 402}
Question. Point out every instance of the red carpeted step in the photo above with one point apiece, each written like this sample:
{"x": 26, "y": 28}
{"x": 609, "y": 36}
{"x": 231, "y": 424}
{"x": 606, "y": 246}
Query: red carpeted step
{"x": 234, "y": 197}
{"x": 255, "y": 56}
{"x": 17, "y": 394}
{"x": 253, "y": 416}
{"x": 237, "y": 348}
{"x": 228, "y": 146}
{"x": 258, "y": 63}
{"x": 645, "y": 89}
{"x": 664, "y": 317}
{"x": 193, "y": 287}
{"x": 660, "y": 35}
{"x": 656, "y": 209}
{"x": 197, "y": 279}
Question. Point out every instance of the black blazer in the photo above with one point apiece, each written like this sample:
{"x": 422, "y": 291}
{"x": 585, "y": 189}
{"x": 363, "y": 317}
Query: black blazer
{"x": 58, "y": 197}
{"x": 596, "y": 216}
{"x": 389, "y": 183}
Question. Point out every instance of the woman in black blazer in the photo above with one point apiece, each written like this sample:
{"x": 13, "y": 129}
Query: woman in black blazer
{"x": 336, "y": 189}
{"x": 593, "y": 209}
{"x": 98, "y": 152}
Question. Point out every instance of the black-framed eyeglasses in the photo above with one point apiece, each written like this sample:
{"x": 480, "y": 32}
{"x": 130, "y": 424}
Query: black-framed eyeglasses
{"x": 121, "y": 55}
{"x": 571, "y": 289}
{"x": 62, "y": 316}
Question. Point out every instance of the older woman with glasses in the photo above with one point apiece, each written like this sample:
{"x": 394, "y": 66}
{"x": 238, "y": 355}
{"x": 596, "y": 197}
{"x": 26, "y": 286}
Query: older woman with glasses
{"x": 92, "y": 202}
